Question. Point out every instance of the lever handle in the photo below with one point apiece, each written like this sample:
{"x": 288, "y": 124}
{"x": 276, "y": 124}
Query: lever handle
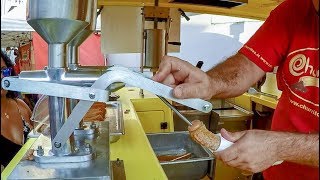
{"x": 138, "y": 79}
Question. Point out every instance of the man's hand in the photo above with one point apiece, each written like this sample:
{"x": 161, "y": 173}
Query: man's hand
{"x": 252, "y": 151}
{"x": 230, "y": 78}
{"x": 187, "y": 80}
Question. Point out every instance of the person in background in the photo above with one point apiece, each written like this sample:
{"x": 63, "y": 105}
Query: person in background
{"x": 11, "y": 55}
{"x": 16, "y": 66}
{"x": 15, "y": 117}
{"x": 289, "y": 39}
{"x": 30, "y": 100}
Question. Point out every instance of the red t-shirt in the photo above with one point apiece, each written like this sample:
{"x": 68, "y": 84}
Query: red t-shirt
{"x": 289, "y": 38}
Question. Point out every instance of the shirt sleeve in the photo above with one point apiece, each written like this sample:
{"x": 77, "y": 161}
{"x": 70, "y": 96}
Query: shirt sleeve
{"x": 268, "y": 46}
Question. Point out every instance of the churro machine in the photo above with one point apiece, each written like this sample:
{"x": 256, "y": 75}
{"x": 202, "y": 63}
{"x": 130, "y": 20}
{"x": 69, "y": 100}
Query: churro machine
{"x": 69, "y": 151}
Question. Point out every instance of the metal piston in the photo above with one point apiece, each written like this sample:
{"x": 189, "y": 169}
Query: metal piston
{"x": 154, "y": 48}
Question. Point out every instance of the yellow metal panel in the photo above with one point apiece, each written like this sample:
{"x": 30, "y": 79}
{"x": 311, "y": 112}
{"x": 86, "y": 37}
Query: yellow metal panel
{"x": 151, "y": 121}
{"x": 149, "y": 104}
{"x": 13, "y": 163}
{"x": 133, "y": 148}
{"x": 244, "y": 101}
{"x": 223, "y": 171}
{"x": 153, "y": 105}
{"x": 265, "y": 101}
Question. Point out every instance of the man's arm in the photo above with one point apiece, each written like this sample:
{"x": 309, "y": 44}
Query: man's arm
{"x": 299, "y": 148}
{"x": 257, "y": 150}
{"x": 234, "y": 76}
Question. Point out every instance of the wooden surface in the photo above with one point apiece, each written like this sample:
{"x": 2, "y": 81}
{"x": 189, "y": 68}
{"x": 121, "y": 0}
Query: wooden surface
{"x": 255, "y": 9}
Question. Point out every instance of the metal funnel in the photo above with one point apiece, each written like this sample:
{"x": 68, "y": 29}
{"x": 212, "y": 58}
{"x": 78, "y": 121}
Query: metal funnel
{"x": 72, "y": 47}
{"x": 58, "y": 21}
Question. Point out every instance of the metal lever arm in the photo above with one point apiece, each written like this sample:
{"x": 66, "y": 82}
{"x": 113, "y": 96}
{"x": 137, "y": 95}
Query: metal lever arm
{"x": 54, "y": 89}
{"x": 140, "y": 80}
{"x": 129, "y": 77}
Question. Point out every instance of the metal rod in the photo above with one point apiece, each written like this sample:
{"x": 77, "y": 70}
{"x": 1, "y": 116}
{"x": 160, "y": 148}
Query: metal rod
{"x": 57, "y": 111}
{"x": 240, "y": 108}
{"x": 175, "y": 110}
{"x": 142, "y": 47}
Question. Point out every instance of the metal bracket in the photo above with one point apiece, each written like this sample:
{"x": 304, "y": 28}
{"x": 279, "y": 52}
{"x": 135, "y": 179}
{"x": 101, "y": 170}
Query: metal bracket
{"x": 73, "y": 158}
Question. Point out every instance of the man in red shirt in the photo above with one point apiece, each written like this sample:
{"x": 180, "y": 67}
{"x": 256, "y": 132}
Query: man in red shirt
{"x": 289, "y": 39}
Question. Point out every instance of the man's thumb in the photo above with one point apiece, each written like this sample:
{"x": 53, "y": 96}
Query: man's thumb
{"x": 231, "y": 136}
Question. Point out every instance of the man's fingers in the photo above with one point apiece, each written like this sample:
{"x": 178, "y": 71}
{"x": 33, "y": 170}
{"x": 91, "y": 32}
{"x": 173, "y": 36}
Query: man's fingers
{"x": 227, "y": 155}
{"x": 231, "y": 136}
{"x": 169, "y": 80}
{"x": 187, "y": 80}
{"x": 165, "y": 68}
{"x": 189, "y": 90}
{"x": 234, "y": 162}
{"x": 237, "y": 163}
{"x": 168, "y": 66}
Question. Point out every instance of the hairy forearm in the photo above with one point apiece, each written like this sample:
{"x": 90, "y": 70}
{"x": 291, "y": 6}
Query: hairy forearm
{"x": 298, "y": 148}
{"x": 234, "y": 76}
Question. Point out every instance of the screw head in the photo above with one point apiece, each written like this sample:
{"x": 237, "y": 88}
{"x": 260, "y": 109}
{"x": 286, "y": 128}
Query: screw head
{"x": 206, "y": 107}
{"x": 127, "y": 111}
{"x": 57, "y": 144}
{"x": 92, "y": 95}
{"x": 88, "y": 148}
{"x": 6, "y": 83}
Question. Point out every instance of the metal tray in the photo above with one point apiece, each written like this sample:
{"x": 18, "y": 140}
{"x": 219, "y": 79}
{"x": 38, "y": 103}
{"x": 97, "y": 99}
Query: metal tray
{"x": 197, "y": 166}
{"x": 115, "y": 118}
